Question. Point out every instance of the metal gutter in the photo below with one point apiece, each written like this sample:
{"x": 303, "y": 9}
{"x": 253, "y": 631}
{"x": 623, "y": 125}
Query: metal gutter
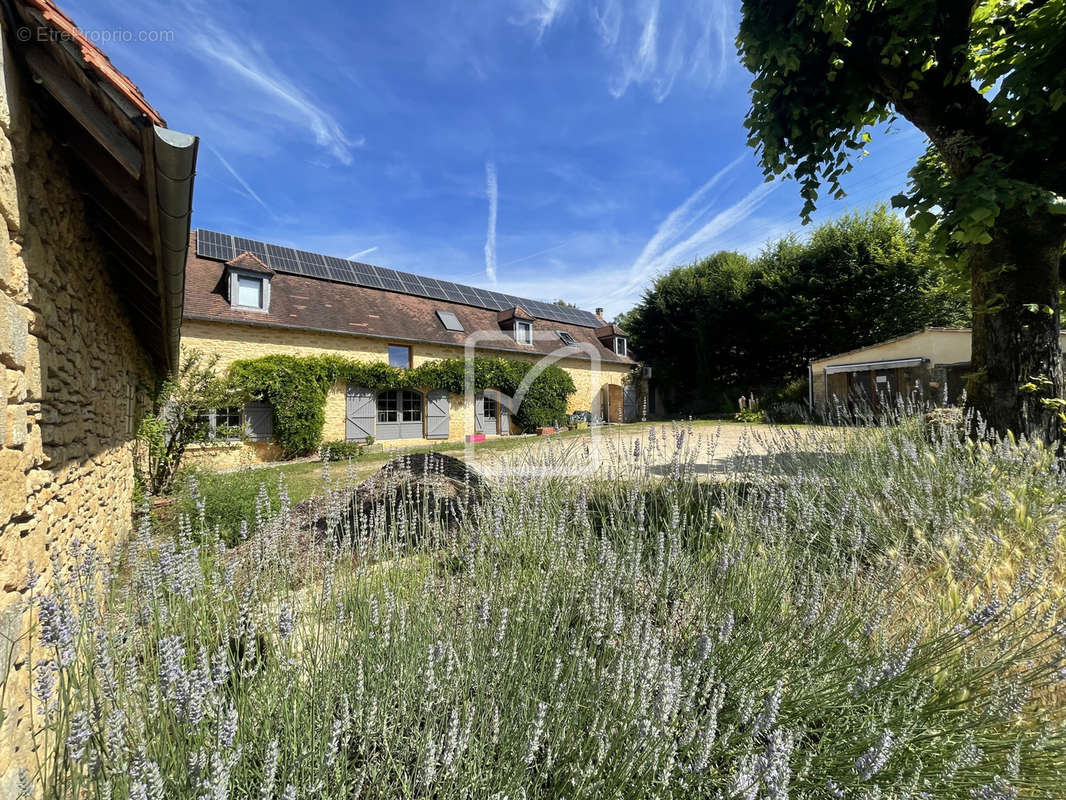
{"x": 175, "y": 170}
{"x": 385, "y": 337}
{"x": 868, "y": 366}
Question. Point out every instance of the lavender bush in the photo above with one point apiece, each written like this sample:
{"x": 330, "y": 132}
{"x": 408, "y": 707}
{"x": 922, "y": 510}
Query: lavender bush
{"x": 871, "y": 614}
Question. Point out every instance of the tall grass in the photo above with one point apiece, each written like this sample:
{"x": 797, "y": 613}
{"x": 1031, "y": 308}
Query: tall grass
{"x": 870, "y": 614}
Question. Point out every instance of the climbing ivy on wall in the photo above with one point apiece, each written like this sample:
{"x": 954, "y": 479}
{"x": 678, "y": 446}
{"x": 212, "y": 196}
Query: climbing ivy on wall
{"x": 297, "y": 386}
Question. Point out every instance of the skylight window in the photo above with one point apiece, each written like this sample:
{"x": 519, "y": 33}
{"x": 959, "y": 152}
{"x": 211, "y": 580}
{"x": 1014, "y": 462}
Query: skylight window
{"x": 566, "y": 338}
{"x": 450, "y": 321}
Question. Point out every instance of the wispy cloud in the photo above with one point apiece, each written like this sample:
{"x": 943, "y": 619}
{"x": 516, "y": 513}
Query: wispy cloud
{"x": 534, "y": 255}
{"x": 362, "y": 253}
{"x": 651, "y": 49}
{"x": 540, "y": 14}
{"x": 248, "y": 190}
{"x": 650, "y": 45}
{"x": 493, "y": 193}
{"x": 687, "y": 232}
{"x": 250, "y": 62}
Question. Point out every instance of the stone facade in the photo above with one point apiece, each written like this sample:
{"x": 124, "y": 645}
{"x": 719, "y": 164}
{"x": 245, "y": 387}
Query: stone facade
{"x": 232, "y": 342}
{"x": 72, "y": 372}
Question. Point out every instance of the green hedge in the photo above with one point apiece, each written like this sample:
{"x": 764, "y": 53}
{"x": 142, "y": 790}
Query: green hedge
{"x": 297, "y": 388}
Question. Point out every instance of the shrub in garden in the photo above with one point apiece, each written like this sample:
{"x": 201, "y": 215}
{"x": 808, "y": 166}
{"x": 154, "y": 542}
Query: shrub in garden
{"x": 342, "y": 451}
{"x": 866, "y": 614}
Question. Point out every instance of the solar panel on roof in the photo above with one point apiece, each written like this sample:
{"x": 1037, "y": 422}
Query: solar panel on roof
{"x": 223, "y": 247}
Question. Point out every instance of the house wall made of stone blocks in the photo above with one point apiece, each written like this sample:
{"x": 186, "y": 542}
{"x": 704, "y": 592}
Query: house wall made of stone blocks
{"x": 231, "y": 342}
{"x": 71, "y": 372}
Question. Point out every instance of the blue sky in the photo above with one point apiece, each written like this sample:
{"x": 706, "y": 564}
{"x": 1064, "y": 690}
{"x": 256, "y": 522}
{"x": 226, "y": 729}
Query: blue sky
{"x": 549, "y": 148}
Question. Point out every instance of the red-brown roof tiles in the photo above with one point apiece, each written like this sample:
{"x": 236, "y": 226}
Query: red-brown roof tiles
{"x": 249, "y": 263}
{"x": 94, "y": 57}
{"x": 312, "y": 304}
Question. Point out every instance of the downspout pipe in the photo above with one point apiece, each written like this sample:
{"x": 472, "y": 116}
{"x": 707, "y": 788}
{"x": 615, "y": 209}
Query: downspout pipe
{"x": 175, "y": 167}
{"x": 810, "y": 387}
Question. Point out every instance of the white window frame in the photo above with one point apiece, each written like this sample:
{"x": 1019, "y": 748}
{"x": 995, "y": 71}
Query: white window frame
{"x": 211, "y": 415}
{"x": 523, "y": 331}
{"x": 621, "y": 346}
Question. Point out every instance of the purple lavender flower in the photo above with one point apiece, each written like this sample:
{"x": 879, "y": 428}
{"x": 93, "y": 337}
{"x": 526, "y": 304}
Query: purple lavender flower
{"x": 876, "y": 758}
{"x": 270, "y": 770}
{"x": 227, "y": 729}
{"x": 999, "y": 789}
{"x": 286, "y": 621}
{"x": 80, "y": 733}
{"x": 57, "y": 627}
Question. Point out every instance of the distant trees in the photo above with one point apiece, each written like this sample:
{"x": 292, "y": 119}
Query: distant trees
{"x": 730, "y": 324}
{"x": 984, "y": 81}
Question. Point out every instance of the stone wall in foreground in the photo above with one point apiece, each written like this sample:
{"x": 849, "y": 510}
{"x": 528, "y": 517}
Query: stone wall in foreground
{"x": 71, "y": 372}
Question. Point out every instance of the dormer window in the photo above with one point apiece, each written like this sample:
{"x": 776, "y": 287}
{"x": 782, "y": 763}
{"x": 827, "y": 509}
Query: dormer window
{"x": 249, "y": 292}
{"x": 248, "y": 283}
{"x": 523, "y": 332}
{"x": 620, "y": 345}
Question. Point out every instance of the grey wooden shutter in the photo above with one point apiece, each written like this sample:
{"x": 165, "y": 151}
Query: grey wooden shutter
{"x": 259, "y": 422}
{"x": 479, "y": 413}
{"x": 629, "y": 403}
{"x": 505, "y": 421}
{"x": 358, "y": 414}
{"x": 438, "y": 413}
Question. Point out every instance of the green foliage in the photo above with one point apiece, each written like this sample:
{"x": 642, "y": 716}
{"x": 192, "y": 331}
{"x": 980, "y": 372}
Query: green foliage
{"x": 227, "y": 503}
{"x": 174, "y": 422}
{"x": 752, "y": 416}
{"x": 984, "y": 82}
{"x": 342, "y": 451}
{"x": 297, "y": 388}
{"x": 730, "y": 324}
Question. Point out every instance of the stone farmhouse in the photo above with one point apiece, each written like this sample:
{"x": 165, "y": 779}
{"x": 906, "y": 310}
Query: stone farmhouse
{"x": 245, "y": 299}
{"x": 95, "y": 198}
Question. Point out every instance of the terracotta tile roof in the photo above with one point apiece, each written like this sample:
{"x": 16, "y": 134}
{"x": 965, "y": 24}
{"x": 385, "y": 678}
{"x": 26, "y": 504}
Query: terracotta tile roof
{"x": 514, "y": 313}
{"x": 313, "y": 304}
{"x": 93, "y": 56}
{"x": 610, "y": 330}
{"x": 249, "y": 263}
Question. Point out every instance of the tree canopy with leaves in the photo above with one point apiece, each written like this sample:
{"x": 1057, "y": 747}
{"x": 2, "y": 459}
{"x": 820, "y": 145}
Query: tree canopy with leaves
{"x": 986, "y": 83}
{"x": 730, "y": 324}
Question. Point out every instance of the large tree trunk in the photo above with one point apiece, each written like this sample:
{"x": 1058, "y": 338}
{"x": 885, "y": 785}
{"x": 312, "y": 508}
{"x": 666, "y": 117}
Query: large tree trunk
{"x": 1016, "y": 325}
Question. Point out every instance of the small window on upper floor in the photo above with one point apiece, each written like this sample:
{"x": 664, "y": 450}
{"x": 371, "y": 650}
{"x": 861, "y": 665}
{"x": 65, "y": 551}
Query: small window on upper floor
{"x": 566, "y": 338}
{"x": 249, "y": 292}
{"x": 620, "y": 345}
{"x": 450, "y": 321}
{"x": 523, "y": 332}
{"x": 400, "y": 356}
